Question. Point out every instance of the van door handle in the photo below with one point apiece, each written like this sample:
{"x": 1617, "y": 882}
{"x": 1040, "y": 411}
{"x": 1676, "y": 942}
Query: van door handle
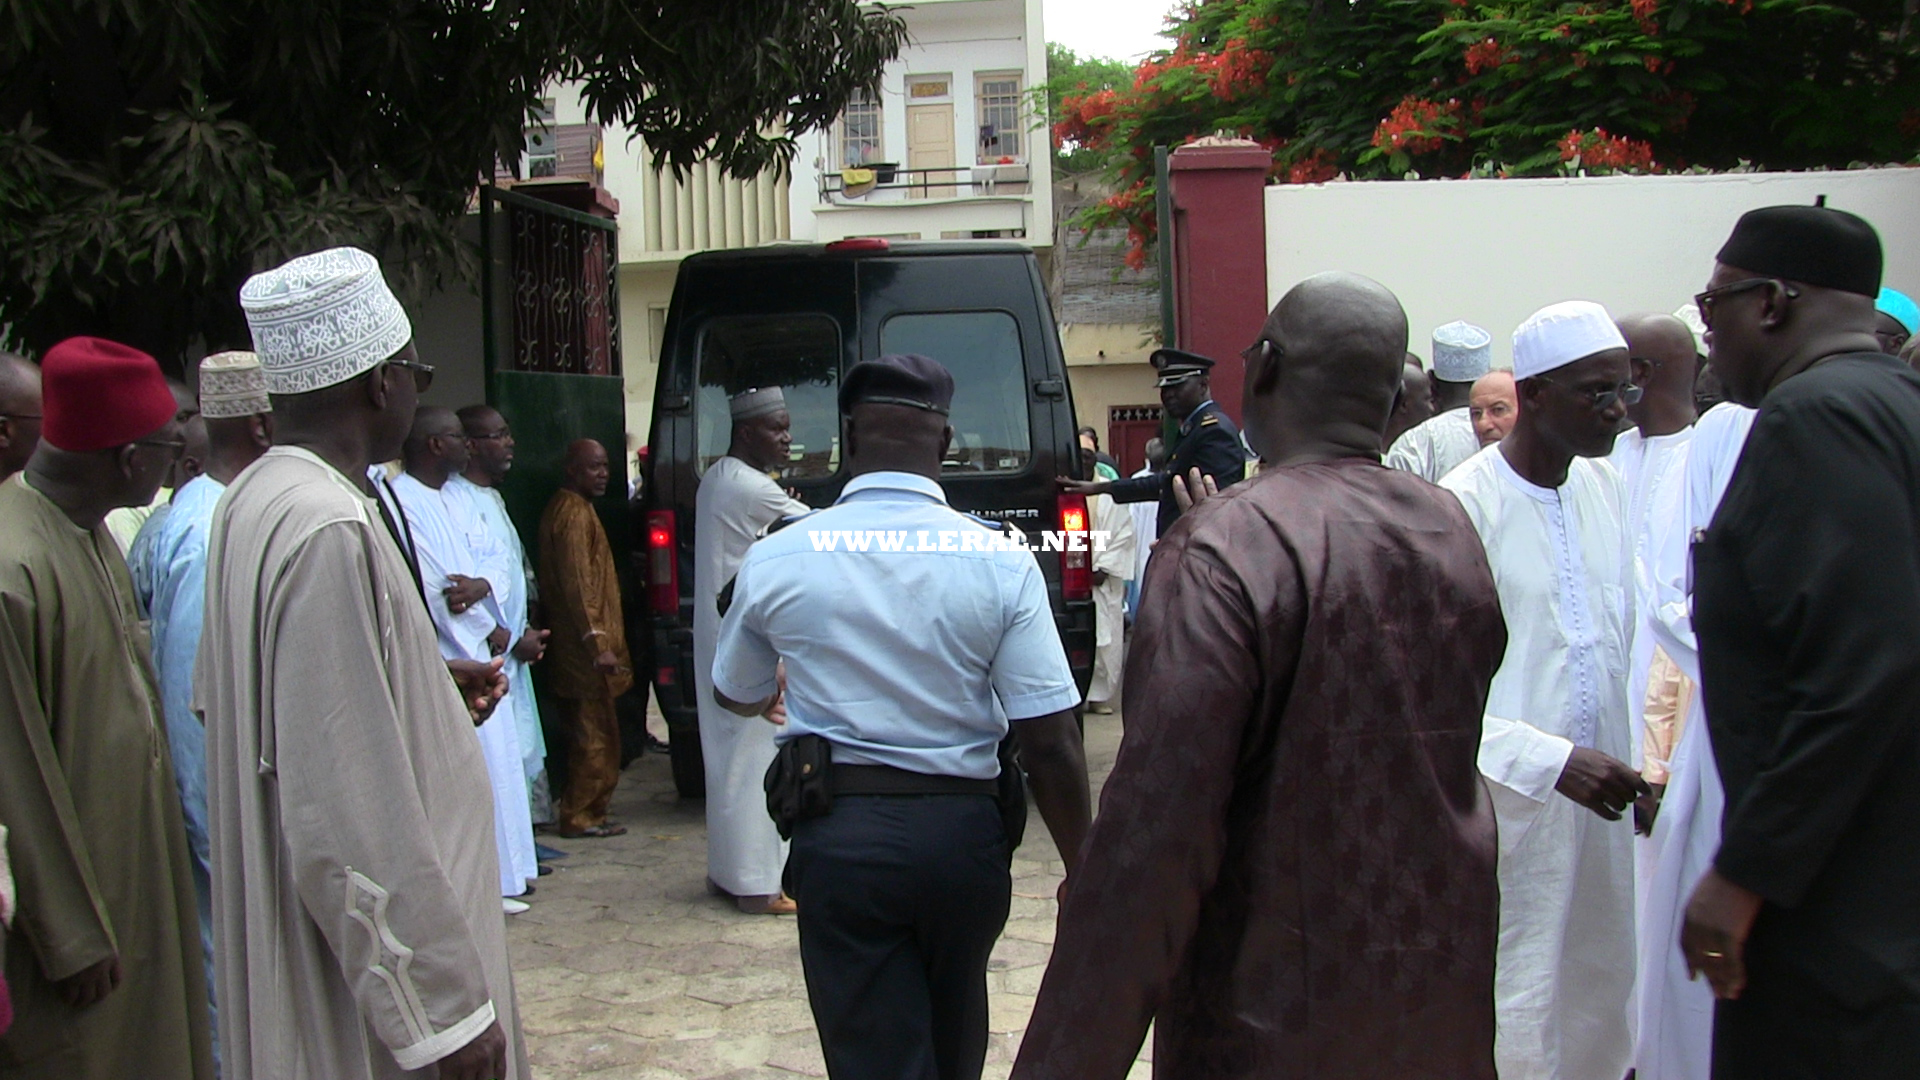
{"x": 1050, "y": 388}
{"x": 675, "y": 402}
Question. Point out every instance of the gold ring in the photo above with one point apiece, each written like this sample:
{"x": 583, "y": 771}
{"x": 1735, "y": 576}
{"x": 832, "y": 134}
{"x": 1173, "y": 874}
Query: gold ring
{"x": 1711, "y": 955}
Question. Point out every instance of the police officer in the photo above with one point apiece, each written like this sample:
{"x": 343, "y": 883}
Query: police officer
{"x": 907, "y": 666}
{"x": 1207, "y": 439}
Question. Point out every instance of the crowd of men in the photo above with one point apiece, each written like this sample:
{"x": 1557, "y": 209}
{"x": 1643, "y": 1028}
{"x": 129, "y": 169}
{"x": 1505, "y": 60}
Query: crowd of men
{"x": 1576, "y": 739}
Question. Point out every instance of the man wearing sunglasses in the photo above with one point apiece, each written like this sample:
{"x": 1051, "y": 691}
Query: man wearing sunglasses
{"x": 1556, "y": 739}
{"x": 1807, "y": 590}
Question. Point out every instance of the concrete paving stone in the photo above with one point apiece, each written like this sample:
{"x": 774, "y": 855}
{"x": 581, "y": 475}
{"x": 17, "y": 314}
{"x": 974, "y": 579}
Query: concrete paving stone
{"x": 1008, "y": 1012}
{"x": 604, "y": 959}
{"x": 667, "y": 933}
{"x": 559, "y": 1015}
{"x": 1040, "y": 930}
{"x": 579, "y": 1053}
{"x": 798, "y": 1052}
{"x": 779, "y": 1015}
{"x": 573, "y": 935}
{"x": 630, "y": 1072}
{"x": 676, "y": 1017}
{"x": 704, "y": 957}
{"x": 539, "y": 984}
{"x": 752, "y": 984}
{"x": 764, "y": 933}
{"x": 721, "y": 1054}
{"x": 1010, "y": 953}
{"x": 1024, "y": 980}
{"x": 635, "y": 985}
{"x": 1032, "y": 907}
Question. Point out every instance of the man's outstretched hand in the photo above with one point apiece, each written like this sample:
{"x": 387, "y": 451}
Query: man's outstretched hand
{"x": 1192, "y": 488}
{"x": 482, "y": 684}
{"x": 1083, "y": 487}
{"x": 485, "y": 1058}
{"x": 1600, "y": 783}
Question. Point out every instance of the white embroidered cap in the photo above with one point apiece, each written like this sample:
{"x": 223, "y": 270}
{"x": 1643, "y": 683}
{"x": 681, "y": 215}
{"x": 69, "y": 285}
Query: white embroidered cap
{"x": 1559, "y": 334}
{"x": 1462, "y": 352}
{"x": 1689, "y": 314}
{"x": 231, "y": 385}
{"x": 323, "y": 318}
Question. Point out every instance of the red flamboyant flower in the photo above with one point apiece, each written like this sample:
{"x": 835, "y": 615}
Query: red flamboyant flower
{"x": 1601, "y": 152}
{"x": 1485, "y": 55}
{"x": 1415, "y": 126}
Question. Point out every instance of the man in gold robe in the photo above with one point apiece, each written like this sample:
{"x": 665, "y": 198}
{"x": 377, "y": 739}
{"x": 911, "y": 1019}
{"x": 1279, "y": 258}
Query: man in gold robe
{"x": 587, "y": 662}
{"x": 104, "y": 957}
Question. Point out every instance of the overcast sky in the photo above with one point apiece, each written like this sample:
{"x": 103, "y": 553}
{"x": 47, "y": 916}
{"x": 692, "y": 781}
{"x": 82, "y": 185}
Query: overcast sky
{"x": 1118, "y": 29}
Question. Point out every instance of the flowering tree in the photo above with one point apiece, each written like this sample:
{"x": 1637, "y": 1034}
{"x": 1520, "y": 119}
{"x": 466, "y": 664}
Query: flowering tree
{"x": 1427, "y": 88}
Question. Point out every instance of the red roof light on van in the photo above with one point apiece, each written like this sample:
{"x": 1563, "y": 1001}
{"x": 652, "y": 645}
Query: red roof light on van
{"x": 859, "y": 243}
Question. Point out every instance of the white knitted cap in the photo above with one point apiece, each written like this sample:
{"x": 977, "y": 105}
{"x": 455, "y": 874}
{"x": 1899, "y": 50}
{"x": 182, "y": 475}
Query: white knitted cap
{"x": 1559, "y": 334}
{"x": 323, "y": 318}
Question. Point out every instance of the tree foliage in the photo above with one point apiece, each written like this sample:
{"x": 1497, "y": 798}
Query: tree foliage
{"x": 1427, "y": 88}
{"x": 1076, "y": 77}
{"x": 152, "y": 155}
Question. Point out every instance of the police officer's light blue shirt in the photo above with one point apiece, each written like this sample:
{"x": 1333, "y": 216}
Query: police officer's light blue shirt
{"x": 914, "y": 659}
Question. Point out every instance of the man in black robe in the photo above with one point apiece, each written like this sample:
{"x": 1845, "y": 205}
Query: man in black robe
{"x": 1807, "y": 593}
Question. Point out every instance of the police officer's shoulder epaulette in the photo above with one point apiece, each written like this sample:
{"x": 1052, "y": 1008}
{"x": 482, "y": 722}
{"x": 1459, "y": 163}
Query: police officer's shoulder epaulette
{"x": 1209, "y": 419}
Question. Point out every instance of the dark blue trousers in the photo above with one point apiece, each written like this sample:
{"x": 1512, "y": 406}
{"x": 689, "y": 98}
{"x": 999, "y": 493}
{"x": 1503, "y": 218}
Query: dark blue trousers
{"x": 901, "y": 899}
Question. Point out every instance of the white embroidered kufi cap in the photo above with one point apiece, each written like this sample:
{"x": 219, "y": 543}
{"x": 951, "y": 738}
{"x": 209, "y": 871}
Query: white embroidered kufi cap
{"x": 756, "y": 402}
{"x": 1689, "y": 314}
{"x": 1462, "y": 352}
{"x": 1559, "y": 334}
{"x": 321, "y": 319}
{"x": 232, "y": 385}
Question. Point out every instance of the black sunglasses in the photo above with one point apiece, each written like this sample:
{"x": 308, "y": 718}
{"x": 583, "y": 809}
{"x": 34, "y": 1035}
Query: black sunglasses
{"x": 422, "y": 373}
{"x": 1705, "y": 301}
{"x": 1601, "y": 400}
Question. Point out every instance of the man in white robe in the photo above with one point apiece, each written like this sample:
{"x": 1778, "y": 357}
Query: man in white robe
{"x": 1555, "y": 741}
{"x": 1146, "y": 524}
{"x": 1112, "y": 561}
{"x": 490, "y": 441}
{"x": 1462, "y": 353}
{"x": 1651, "y": 458}
{"x": 356, "y": 893}
{"x": 1675, "y": 1031}
{"x": 459, "y": 561}
{"x": 736, "y": 502}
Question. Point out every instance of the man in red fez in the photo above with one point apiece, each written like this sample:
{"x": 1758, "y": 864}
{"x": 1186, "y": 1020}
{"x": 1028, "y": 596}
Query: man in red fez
{"x": 104, "y": 961}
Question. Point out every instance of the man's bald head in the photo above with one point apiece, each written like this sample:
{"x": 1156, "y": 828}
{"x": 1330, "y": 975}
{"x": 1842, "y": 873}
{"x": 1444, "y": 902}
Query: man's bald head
{"x": 587, "y": 468}
{"x": 896, "y": 438}
{"x": 1326, "y": 385}
{"x": 19, "y": 412}
{"x": 436, "y": 445}
{"x": 1664, "y": 364}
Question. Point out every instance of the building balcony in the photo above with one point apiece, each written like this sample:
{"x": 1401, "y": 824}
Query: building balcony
{"x": 928, "y": 204}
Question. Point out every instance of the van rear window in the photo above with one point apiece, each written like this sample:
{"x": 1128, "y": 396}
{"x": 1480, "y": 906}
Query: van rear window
{"x": 798, "y": 353}
{"x": 991, "y": 430}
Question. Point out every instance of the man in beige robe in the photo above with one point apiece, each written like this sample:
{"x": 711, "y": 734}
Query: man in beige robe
{"x": 104, "y": 956}
{"x": 587, "y": 661}
{"x": 356, "y": 905}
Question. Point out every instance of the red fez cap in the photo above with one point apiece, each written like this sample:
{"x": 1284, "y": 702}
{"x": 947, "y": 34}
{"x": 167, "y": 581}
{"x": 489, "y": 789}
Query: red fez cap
{"x": 98, "y": 394}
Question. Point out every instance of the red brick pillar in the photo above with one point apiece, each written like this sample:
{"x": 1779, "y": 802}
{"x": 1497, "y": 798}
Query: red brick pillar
{"x": 1220, "y": 254}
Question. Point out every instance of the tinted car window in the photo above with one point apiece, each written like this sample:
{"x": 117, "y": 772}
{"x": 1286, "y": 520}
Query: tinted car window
{"x": 991, "y": 432}
{"x": 798, "y": 353}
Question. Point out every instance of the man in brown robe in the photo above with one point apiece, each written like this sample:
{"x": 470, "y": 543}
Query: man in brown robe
{"x": 587, "y": 662}
{"x": 1292, "y": 870}
{"x": 104, "y": 959}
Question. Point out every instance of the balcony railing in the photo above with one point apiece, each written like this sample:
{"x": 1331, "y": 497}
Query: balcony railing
{"x": 892, "y": 183}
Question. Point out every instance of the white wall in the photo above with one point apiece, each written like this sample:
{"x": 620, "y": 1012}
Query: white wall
{"x": 1494, "y": 251}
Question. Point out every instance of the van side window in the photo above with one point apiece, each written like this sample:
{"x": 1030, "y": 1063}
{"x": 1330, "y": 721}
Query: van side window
{"x": 991, "y": 429}
{"x": 798, "y": 353}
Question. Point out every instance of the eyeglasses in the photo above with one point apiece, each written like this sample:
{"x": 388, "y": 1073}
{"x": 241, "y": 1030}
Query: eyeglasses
{"x": 1601, "y": 400}
{"x": 19, "y": 416}
{"x": 1705, "y": 301}
{"x": 422, "y": 373}
{"x": 503, "y": 433}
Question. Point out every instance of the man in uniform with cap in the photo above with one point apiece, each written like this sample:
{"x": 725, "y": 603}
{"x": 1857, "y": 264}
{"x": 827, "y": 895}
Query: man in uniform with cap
{"x": 736, "y": 502}
{"x": 1807, "y": 590}
{"x": 908, "y": 666}
{"x": 1206, "y": 439}
{"x": 172, "y": 584}
{"x": 1555, "y": 741}
{"x": 105, "y": 962}
{"x": 1462, "y": 353}
{"x": 357, "y": 927}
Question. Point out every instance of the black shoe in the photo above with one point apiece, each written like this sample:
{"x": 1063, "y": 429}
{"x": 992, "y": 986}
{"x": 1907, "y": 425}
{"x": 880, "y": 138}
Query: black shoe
{"x": 656, "y": 746}
{"x": 545, "y": 870}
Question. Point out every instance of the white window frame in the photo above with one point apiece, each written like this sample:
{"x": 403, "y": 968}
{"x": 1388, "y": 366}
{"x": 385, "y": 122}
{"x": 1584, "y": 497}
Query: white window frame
{"x": 844, "y": 140}
{"x": 1016, "y": 132}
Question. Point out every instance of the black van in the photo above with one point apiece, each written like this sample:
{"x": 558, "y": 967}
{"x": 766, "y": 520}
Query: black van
{"x": 797, "y": 316}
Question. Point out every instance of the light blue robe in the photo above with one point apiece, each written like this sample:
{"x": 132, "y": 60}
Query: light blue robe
{"x": 168, "y": 563}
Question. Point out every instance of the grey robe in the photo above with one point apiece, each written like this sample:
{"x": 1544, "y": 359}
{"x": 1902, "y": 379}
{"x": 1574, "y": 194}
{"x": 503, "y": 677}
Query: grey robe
{"x": 357, "y": 923}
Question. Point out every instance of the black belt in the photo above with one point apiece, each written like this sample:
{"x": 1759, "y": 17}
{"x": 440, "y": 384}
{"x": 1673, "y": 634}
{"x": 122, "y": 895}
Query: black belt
{"x": 887, "y": 780}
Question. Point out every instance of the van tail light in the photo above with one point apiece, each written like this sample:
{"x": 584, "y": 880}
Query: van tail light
{"x": 860, "y": 243}
{"x": 663, "y": 567}
{"x": 1076, "y": 567}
